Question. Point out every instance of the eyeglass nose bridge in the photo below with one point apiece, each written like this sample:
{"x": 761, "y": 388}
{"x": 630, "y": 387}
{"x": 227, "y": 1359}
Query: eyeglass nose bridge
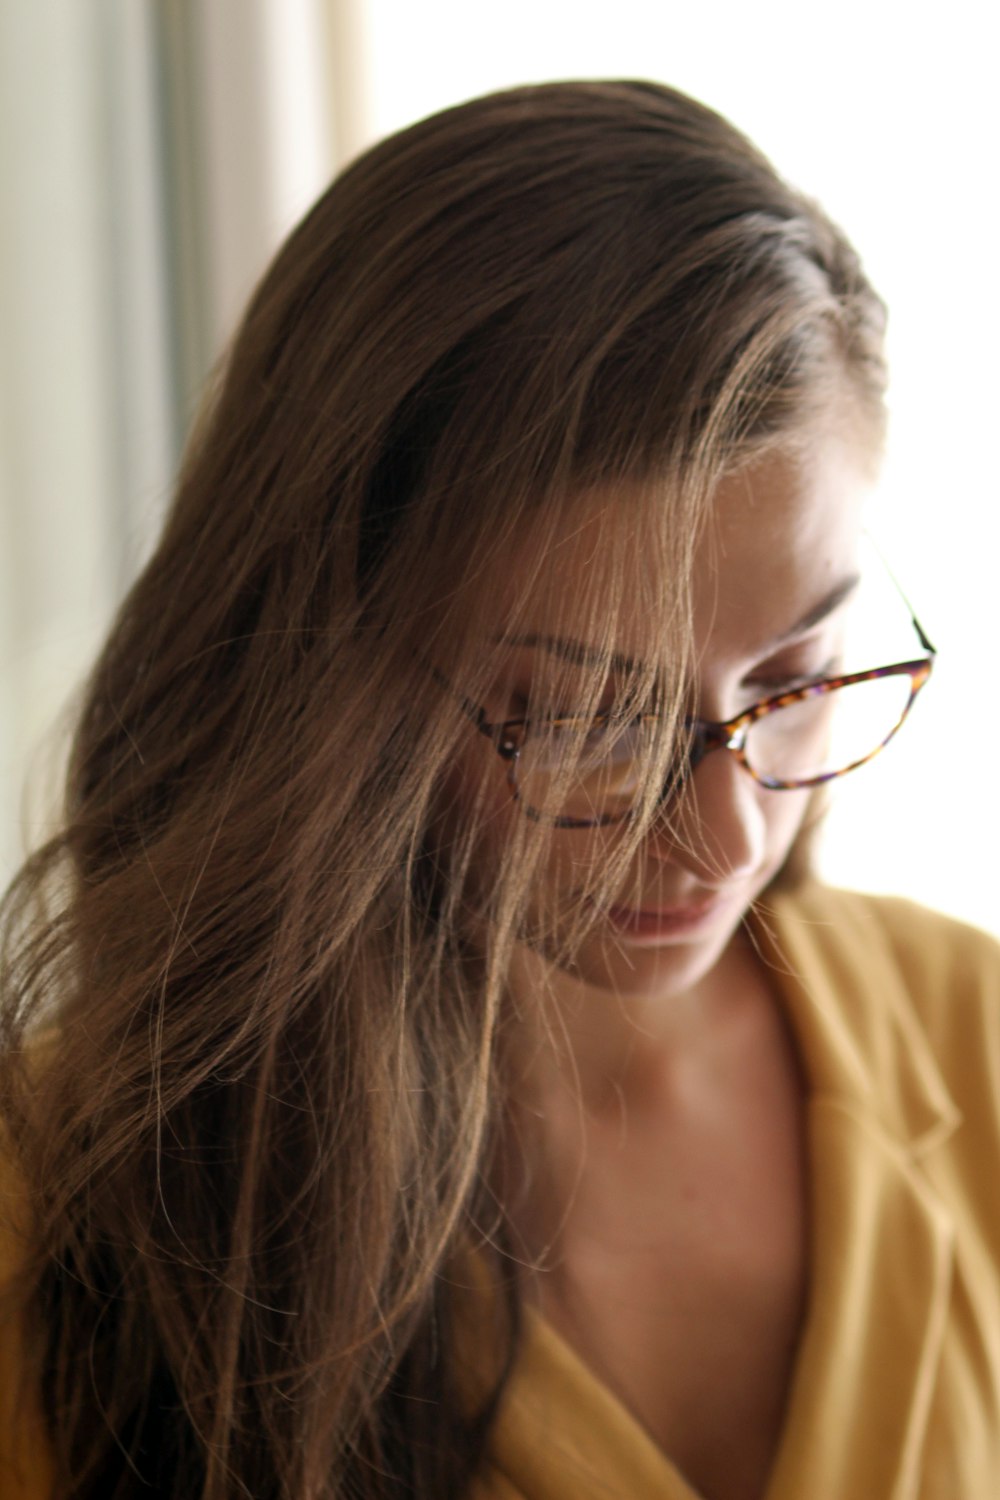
{"x": 703, "y": 737}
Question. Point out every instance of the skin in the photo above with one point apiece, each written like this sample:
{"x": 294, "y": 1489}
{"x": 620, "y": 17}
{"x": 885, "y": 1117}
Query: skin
{"x": 654, "y": 1166}
{"x": 782, "y": 538}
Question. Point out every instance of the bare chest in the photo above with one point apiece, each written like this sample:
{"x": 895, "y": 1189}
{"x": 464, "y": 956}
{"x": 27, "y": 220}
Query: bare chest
{"x": 680, "y": 1276}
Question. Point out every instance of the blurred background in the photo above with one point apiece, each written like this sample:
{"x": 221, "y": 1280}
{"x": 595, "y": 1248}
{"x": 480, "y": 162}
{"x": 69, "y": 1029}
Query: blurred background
{"x": 153, "y": 153}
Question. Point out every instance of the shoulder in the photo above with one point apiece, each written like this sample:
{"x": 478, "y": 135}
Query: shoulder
{"x": 917, "y": 992}
{"x": 26, "y": 1471}
{"x": 26, "y": 1465}
{"x": 948, "y": 969}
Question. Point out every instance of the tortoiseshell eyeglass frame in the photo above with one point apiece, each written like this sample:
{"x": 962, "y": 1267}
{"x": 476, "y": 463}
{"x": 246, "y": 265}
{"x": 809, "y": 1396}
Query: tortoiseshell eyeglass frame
{"x": 706, "y": 735}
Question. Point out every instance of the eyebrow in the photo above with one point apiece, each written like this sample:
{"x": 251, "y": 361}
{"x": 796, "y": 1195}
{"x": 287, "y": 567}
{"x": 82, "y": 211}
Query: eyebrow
{"x": 826, "y": 606}
{"x": 576, "y": 652}
{"x": 582, "y": 655}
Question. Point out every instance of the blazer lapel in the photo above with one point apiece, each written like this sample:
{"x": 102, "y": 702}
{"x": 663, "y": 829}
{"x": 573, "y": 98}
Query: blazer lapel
{"x": 880, "y": 1254}
{"x": 881, "y": 1240}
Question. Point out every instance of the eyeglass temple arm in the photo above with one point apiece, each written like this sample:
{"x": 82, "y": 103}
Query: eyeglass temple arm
{"x": 922, "y": 635}
{"x": 476, "y": 714}
{"x": 924, "y": 638}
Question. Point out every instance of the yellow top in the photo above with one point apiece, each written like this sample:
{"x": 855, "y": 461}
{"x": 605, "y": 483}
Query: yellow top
{"x": 896, "y": 1390}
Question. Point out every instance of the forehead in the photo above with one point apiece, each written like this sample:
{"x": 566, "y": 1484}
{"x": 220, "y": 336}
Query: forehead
{"x": 776, "y": 538}
{"x": 779, "y": 537}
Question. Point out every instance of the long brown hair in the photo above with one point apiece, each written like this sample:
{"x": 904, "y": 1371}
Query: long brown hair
{"x": 248, "y": 1047}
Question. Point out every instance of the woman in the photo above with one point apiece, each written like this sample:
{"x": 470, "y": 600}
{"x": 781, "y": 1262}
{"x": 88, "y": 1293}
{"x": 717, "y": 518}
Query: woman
{"x": 428, "y": 1070}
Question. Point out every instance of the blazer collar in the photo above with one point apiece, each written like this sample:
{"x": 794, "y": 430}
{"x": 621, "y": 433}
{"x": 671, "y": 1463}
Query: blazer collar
{"x": 832, "y": 961}
{"x": 881, "y": 1256}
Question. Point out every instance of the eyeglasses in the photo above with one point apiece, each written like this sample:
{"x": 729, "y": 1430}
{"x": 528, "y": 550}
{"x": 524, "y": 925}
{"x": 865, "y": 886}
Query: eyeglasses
{"x": 585, "y": 772}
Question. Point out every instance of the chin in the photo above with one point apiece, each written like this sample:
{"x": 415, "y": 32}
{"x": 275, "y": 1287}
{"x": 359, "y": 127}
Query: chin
{"x": 648, "y": 970}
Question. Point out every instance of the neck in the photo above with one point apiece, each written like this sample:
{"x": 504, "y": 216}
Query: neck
{"x": 604, "y": 1094}
{"x": 597, "y": 1047}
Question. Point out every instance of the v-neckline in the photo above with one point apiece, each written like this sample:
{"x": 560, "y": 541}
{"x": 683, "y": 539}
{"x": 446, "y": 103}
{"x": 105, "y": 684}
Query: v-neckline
{"x": 861, "y": 1364}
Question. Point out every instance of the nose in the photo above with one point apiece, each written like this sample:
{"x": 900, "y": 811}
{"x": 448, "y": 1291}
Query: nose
{"x": 716, "y": 825}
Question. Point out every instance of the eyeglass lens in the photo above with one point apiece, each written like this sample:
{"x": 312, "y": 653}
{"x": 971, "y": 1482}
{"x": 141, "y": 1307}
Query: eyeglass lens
{"x": 597, "y": 776}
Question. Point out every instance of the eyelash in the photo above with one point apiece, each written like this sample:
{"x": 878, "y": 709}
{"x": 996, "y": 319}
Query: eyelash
{"x": 788, "y": 682}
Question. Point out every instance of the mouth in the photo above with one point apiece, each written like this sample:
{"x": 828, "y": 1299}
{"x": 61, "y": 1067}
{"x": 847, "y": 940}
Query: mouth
{"x": 664, "y": 922}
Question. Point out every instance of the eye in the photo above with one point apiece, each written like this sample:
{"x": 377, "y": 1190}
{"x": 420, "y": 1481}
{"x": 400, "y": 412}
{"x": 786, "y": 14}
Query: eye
{"x": 600, "y": 740}
{"x": 562, "y": 729}
{"x": 565, "y": 718}
{"x": 769, "y": 682}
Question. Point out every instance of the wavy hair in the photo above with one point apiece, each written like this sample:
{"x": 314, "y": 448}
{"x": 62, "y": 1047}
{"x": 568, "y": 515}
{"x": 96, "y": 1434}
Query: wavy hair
{"x": 249, "y": 1047}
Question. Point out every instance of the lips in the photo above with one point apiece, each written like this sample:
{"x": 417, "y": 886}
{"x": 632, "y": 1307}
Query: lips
{"x": 664, "y": 921}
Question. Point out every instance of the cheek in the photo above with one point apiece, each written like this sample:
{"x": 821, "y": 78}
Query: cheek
{"x": 478, "y": 814}
{"x": 479, "y": 835}
{"x": 799, "y": 821}
{"x": 787, "y": 815}
{"x": 472, "y": 822}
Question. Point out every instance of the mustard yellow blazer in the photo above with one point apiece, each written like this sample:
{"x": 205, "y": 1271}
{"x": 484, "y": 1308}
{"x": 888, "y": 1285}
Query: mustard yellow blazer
{"x": 896, "y": 1391}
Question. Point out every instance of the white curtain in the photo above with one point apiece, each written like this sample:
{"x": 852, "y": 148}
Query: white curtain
{"x": 152, "y": 155}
